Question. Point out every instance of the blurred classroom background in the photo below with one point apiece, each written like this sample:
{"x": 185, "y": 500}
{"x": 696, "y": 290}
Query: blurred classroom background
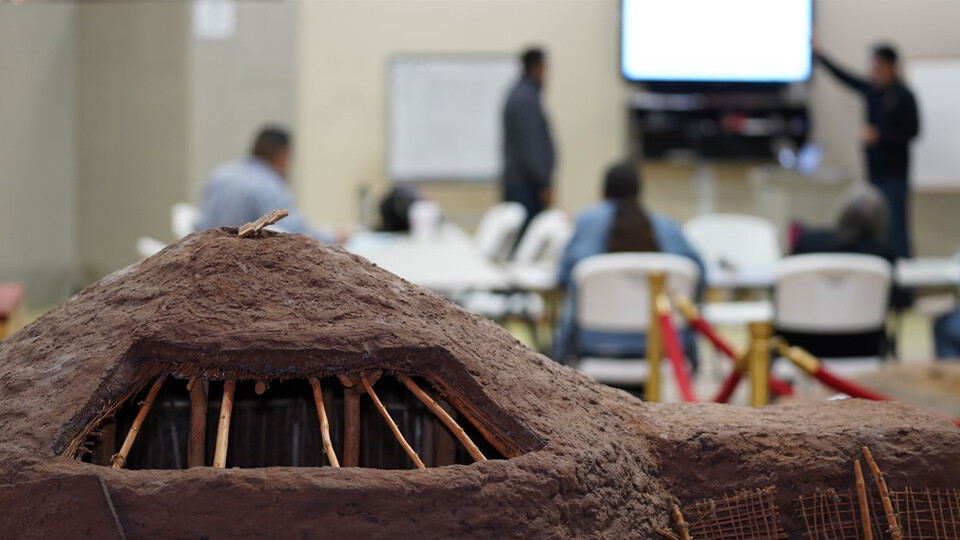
{"x": 112, "y": 113}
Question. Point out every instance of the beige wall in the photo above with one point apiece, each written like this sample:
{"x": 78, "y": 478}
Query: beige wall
{"x": 134, "y": 126}
{"x": 38, "y": 242}
{"x": 344, "y": 47}
{"x": 241, "y": 83}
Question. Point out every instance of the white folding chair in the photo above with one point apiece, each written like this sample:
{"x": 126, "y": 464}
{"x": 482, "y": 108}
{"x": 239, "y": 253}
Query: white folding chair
{"x": 832, "y": 294}
{"x": 184, "y": 219}
{"x": 731, "y": 242}
{"x": 613, "y": 296}
{"x": 533, "y": 268}
{"x": 544, "y": 238}
{"x": 725, "y": 240}
{"x": 498, "y": 230}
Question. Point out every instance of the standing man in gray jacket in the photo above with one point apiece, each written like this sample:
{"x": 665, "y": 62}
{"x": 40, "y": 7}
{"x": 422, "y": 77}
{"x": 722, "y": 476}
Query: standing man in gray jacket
{"x": 528, "y": 152}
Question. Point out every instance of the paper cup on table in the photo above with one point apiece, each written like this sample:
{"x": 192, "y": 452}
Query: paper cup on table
{"x": 425, "y": 220}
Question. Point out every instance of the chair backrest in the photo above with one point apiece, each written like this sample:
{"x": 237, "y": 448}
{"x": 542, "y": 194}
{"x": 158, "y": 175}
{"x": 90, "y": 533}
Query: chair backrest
{"x": 184, "y": 219}
{"x": 545, "y": 238}
{"x": 735, "y": 239}
{"x": 613, "y": 291}
{"x": 498, "y": 229}
{"x": 832, "y": 293}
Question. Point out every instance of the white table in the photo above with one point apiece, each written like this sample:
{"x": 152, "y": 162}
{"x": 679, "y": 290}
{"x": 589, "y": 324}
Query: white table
{"x": 539, "y": 276}
{"x": 447, "y": 264}
{"x": 928, "y": 272}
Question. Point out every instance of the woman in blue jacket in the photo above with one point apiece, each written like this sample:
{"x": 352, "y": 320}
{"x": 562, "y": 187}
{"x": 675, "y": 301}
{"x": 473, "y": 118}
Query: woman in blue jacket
{"x": 618, "y": 224}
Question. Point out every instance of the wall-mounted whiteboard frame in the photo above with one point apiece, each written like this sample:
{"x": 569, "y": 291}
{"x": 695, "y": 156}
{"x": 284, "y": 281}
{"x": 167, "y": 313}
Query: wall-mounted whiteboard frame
{"x": 935, "y": 155}
{"x": 444, "y": 116}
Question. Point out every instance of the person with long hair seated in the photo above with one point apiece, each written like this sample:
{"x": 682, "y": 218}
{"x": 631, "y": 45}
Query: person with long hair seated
{"x": 618, "y": 224}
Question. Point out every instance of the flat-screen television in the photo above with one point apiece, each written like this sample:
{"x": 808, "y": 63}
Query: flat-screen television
{"x": 716, "y": 41}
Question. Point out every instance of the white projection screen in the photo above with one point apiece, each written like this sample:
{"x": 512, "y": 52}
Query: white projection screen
{"x": 752, "y": 41}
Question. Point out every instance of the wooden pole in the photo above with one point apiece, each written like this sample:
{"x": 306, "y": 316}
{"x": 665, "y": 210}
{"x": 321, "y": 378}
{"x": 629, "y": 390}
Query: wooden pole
{"x": 759, "y": 363}
{"x": 652, "y": 391}
{"x": 121, "y": 458}
{"x": 108, "y": 442}
{"x": 682, "y": 526}
{"x": 352, "y": 390}
{"x": 447, "y": 420}
{"x": 351, "y": 427}
{"x": 393, "y": 426}
{"x": 223, "y": 429}
{"x": 324, "y": 424}
{"x": 895, "y": 532}
{"x": 196, "y": 438}
{"x": 864, "y": 504}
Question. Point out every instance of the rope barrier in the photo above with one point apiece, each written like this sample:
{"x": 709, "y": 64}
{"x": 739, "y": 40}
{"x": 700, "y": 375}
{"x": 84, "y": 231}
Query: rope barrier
{"x": 698, "y": 323}
{"x": 812, "y": 366}
{"x": 674, "y": 349}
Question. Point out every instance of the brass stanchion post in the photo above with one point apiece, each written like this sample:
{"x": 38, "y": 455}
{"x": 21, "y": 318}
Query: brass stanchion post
{"x": 654, "y": 354}
{"x": 759, "y": 363}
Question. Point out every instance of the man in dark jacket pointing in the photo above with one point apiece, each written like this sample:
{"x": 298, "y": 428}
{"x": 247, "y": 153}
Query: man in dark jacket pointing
{"x": 891, "y": 124}
{"x": 528, "y": 152}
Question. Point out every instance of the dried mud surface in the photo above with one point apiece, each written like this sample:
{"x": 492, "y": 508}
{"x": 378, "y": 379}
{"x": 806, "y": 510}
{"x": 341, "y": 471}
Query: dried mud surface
{"x": 598, "y": 462}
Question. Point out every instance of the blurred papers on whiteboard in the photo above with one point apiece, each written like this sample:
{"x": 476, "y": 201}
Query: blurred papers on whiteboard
{"x": 444, "y": 119}
{"x": 214, "y": 19}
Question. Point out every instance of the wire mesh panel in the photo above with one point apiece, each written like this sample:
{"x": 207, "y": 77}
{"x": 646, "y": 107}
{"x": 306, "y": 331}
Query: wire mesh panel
{"x": 929, "y": 514}
{"x": 745, "y": 515}
{"x": 829, "y": 515}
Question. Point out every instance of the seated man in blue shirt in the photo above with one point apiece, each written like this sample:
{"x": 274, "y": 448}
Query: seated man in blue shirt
{"x": 241, "y": 191}
{"x": 618, "y": 224}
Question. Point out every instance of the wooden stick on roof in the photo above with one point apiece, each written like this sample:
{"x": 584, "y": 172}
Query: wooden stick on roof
{"x": 895, "y": 531}
{"x": 444, "y": 417}
{"x": 393, "y": 425}
{"x": 258, "y": 225}
{"x": 121, "y": 458}
{"x": 862, "y": 499}
{"x": 324, "y": 424}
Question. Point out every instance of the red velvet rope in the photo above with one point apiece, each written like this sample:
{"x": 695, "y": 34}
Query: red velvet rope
{"x": 778, "y": 387}
{"x": 851, "y": 389}
{"x": 856, "y": 391}
{"x": 674, "y": 350}
{"x": 729, "y": 385}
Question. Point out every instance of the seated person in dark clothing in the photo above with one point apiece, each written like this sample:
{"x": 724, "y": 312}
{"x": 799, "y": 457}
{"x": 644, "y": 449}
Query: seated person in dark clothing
{"x": 861, "y": 229}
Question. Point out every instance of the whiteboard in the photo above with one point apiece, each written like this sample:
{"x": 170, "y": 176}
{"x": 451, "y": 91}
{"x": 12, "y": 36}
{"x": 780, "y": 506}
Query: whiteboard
{"x": 936, "y": 152}
{"x": 444, "y": 116}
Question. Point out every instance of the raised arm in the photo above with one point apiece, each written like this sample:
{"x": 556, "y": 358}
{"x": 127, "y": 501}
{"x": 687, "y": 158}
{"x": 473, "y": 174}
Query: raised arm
{"x": 844, "y": 76}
